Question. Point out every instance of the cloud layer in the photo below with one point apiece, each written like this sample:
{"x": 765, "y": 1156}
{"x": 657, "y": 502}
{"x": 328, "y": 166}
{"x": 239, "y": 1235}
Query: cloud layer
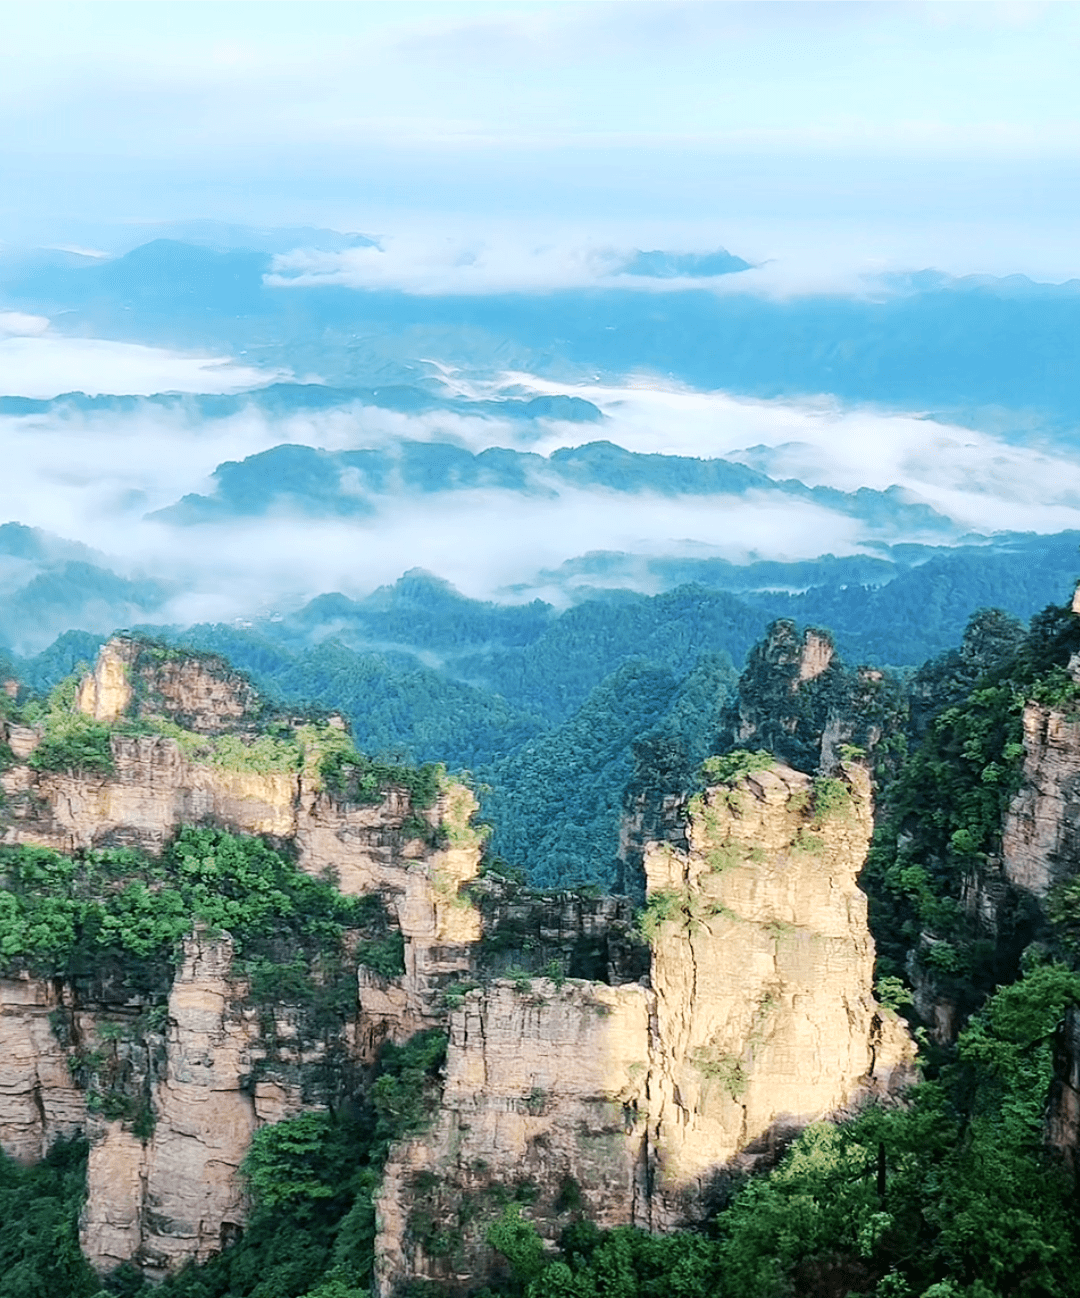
{"x": 36, "y": 364}
{"x": 863, "y": 122}
{"x": 95, "y": 476}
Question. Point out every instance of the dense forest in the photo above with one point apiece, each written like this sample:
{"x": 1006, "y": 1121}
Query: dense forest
{"x": 537, "y": 704}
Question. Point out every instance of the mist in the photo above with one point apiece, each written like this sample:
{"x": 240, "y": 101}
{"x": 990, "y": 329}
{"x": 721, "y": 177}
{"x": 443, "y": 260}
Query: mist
{"x": 94, "y": 477}
{"x": 35, "y": 363}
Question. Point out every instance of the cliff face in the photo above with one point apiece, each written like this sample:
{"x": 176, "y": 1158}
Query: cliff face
{"x": 39, "y": 1100}
{"x": 1040, "y": 848}
{"x": 177, "y": 1194}
{"x": 1041, "y": 834}
{"x": 763, "y": 974}
{"x": 635, "y": 1102}
{"x": 201, "y": 1071}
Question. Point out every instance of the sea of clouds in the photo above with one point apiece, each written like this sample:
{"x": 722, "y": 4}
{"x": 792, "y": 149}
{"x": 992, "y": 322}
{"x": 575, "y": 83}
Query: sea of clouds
{"x": 94, "y": 477}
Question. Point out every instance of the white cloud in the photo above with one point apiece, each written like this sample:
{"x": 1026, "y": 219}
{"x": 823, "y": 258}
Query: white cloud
{"x": 979, "y": 480}
{"x": 94, "y": 477}
{"x": 495, "y": 262}
{"x": 46, "y": 366}
{"x": 19, "y": 324}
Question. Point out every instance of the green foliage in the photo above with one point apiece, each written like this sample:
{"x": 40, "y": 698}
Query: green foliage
{"x": 57, "y": 913}
{"x": 404, "y": 1096}
{"x": 286, "y": 1163}
{"x": 519, "y": 1243}
{"x": 956, "y": 1188}
{"x": 892, "y": 992}
{"x": 569, "y": 1198}
{"x": 830, "y": 798}
{"x": 71, "y": 741}
{"x": 734, "y": 766}
{"x": 263, "y": 754}
{"x": 39, "y": 1233}
{"x": 353, "y": 777}
{"x": 556, "y": 803}
{"x": 660, "y": 907}
{"x": 621, "y": 1263}
{"x": 716, "y": 1066}
{"x": 386, "y": 955}
{"x": 943, "y": 812}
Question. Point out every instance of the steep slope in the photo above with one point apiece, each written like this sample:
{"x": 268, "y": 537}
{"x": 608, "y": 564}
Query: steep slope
{"x": 170, "y": 1062}
{"x": 626, "y": 1078}
{"x": 636, "y": 1101}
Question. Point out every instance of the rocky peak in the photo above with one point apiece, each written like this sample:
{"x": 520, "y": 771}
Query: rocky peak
{"x": 797, "y": 700}
{"x": 136, "y": 678}
{"x": 816, "y": 656}
{"x": 755, "y": 1015}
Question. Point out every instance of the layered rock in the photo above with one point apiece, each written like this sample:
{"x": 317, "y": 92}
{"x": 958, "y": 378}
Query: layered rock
{"x": 763, "y": 975}
{"x": 39, "y": 1100}
{"x": 200, "y": 692}
{"x": 177, "y": 1194}
{"x": 543, "y": 1103}
{"x": 635, "y": 1102}
{"x": 165, "y": 1188}
{"x": 1041, "y": 833}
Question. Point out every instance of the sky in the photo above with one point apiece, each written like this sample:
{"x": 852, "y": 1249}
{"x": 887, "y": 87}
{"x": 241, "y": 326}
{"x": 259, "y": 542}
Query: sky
{"x": 494, "y": 146}
{"x": 889, "y": 134}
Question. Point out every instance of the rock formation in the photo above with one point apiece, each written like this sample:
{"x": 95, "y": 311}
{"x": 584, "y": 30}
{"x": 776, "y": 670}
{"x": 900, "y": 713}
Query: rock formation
{"x": 1041, "y": 834}
{"x": 636, "y": 1101}
{"x": 208, "y": 1072}
{"x": 797, "y": 700}
{"x": 587, "y": 1069}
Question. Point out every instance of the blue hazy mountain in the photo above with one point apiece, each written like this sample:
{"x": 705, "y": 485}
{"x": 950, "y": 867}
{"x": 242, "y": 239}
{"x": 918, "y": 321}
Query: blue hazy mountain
{"x": 352, "y": 483}
{"x": 222, "y": 236}
{"x": 1002, "y": 347}
{"x": 49, "y": 585}
{"x": 679, "y": 265}
{"x": 281, "y": 399}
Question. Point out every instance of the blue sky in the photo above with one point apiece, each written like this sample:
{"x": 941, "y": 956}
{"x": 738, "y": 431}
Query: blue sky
{"x": 913, "y": 134}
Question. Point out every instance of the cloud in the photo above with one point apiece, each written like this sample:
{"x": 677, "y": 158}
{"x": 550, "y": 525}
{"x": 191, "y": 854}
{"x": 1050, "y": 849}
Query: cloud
{"x": 979, "y": 480}
{"x": 20, "y": 325}
{"x": 865, "y": 115}
{"x": 33, "y": 364}
{"x": 95, "y": 476}
{"x": 500, "y": 262}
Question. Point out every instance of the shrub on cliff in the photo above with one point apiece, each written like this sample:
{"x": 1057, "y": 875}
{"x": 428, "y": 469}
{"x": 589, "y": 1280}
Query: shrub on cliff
{"x": 943, "y": 813}
{"x": 351, "y": 776}
{"x": 70, "y": 741}
{"x": 59, "y": 914}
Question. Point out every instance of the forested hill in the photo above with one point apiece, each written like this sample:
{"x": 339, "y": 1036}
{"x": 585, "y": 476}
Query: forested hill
{"x": 966, "y": 1189}
{"x": 543, "y": 706}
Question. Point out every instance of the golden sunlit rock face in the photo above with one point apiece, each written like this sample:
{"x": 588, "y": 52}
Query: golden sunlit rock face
{"x": 639, "y": 1100}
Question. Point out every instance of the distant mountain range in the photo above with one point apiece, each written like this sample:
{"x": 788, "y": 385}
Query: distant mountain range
{"x": 897, "y": 606}
{"x": 351, "y": 483}
{"x": 998, "y": 351}
{"x": 280, "y": 399}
